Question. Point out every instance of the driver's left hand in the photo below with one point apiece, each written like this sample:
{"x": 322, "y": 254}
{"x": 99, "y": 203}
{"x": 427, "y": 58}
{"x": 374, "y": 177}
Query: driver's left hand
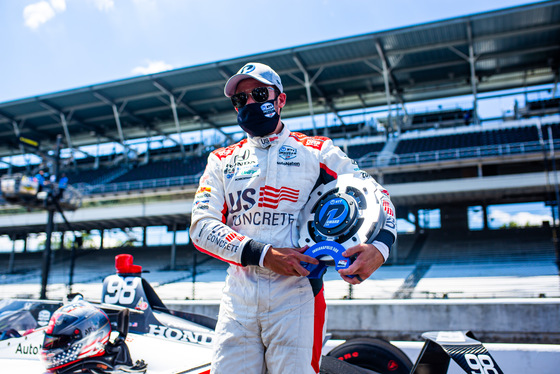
{"x": 368, "y": 260}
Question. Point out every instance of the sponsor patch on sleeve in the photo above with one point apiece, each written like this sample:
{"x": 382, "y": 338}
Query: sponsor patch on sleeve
{"x": 203, "y": 189}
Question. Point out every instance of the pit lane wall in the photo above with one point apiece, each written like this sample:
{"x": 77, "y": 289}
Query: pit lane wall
{"x": 530, "y": 321}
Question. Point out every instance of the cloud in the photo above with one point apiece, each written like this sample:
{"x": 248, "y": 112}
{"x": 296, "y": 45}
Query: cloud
{"x": 104, "y": 5}
{"x": 145, "y": 4}
{"x": 152, "y": 68}
{"x": 526, "y": 218}
{"x": 500, "y": 218}
{"x": 58, "y": 5}
{"x": 36, "y": 14}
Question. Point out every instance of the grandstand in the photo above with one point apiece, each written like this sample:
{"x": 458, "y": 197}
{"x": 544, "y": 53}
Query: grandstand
{"x": 445, "y": 159}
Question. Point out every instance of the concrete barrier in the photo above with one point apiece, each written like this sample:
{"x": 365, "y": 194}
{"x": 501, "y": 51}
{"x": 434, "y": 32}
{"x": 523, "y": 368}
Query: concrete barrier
{"x": 532, "y": 321}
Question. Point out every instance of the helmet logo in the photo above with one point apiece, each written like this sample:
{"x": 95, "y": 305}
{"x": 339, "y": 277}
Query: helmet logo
{"x": 333, "y": 213}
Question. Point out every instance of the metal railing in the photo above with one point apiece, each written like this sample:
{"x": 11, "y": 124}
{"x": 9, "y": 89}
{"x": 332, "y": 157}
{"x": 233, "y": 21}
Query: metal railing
{"x": 368, "y": 161}
{"x": 87, "y": 189}
{"x": 460, "y": 153}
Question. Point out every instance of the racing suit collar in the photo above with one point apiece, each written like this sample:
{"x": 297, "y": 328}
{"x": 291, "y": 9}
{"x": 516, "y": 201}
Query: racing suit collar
{"x": 269, "y": 140}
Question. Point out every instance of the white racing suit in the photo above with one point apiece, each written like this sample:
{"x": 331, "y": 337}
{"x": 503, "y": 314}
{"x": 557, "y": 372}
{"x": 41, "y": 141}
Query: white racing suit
{"x": 250, "y": 196}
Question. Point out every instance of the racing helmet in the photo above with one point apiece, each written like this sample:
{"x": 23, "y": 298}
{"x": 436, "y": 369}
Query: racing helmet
{"x": 75, "y": 331}
{"x": 347, "y": 210}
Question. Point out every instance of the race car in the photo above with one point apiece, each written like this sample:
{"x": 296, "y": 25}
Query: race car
{"x": 132, "y": 331}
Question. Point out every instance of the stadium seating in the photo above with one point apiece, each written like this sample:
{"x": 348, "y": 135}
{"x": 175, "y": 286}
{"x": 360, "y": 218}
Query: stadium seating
{"x": 360, "y": 150}
{"x": 541, "y": 107}
{"x": 469, "y": 140}
{"x": 446, "y": 265}
{"x": 120, "y": 178}
{"x": 490, "y": 246}
{"x": 164, "y": 169}
{"x": 482, "y": 143}
{"x": 443, "y": 118}
{"x": 93, "y": 265}
{"x": 410, "y": 149}
{"x": 347, "y": 131}
{"x": 554, "y": 130}
{"x": 94, "y": 176}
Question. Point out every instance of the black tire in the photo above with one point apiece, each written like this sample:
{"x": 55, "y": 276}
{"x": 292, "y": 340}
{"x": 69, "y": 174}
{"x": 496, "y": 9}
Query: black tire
{"x": 373, "y": 354}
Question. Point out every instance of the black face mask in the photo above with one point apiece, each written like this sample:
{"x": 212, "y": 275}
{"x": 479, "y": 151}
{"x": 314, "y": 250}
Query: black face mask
{"x": 258, "y": 119}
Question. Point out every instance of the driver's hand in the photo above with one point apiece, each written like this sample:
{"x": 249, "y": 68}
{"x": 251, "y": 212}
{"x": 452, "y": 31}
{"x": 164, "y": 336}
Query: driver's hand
{"x": 286, "y": 261}
{"x": 369, "y": 260}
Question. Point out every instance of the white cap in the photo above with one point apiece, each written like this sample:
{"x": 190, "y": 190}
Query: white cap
{"x": 261, "y": 72}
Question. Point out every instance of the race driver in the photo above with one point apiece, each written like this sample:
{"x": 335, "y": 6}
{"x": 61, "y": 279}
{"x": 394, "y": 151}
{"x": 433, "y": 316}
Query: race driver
{"x": 245, "y": 212}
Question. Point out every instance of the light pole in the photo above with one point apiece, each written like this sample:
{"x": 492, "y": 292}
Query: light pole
{"x": 50, "y": 222}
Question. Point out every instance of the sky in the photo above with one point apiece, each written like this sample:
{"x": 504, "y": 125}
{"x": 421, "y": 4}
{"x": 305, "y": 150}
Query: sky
{"x": 55, "y": 45}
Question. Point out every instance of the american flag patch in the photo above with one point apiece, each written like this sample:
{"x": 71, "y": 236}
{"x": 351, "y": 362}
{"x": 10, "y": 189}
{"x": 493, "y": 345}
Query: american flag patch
{"x": 387, "y": 208}
{"x": 270, "y": 197}
{"x": 232, "y": 236}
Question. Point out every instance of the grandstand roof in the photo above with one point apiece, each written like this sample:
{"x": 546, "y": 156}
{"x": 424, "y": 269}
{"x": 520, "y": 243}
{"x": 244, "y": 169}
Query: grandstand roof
{"x": 508, "y": 48}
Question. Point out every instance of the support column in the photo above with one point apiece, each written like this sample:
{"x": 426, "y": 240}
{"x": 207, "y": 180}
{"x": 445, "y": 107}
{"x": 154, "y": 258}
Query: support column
{"x": 485, "y": 225}
{"x": 145, "y": 236}
{"x": 179, "y": 102}
{"x": 102, "y": 235}
{"x": 177, "y": 126}
{"x": 119, "y": 128}
{"x": 307, "y": 83}
{"x": 97, "y": 157}
{"x": 173, "y": 248}
{"x": 50, "y": 225}
{"x": 149, "y": 141}
{"x": 310, "y": 101}
{"x": 12, "y": 256}
{"x": 72, "y": 265}
{"x": 472, "y": 60}
{"x": 10, "y": 165}
{"x": 66, "y": 133}
{"x": 386, "y": 72}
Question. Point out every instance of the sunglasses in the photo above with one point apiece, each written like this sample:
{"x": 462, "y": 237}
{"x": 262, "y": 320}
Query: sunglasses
{"x": 259, "y": 94}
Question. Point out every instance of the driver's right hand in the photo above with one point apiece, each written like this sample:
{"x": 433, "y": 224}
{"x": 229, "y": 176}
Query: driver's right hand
{"x": 287, "y": 261}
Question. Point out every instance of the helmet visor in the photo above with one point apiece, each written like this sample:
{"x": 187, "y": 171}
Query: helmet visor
{"x": 55, "y": 342}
